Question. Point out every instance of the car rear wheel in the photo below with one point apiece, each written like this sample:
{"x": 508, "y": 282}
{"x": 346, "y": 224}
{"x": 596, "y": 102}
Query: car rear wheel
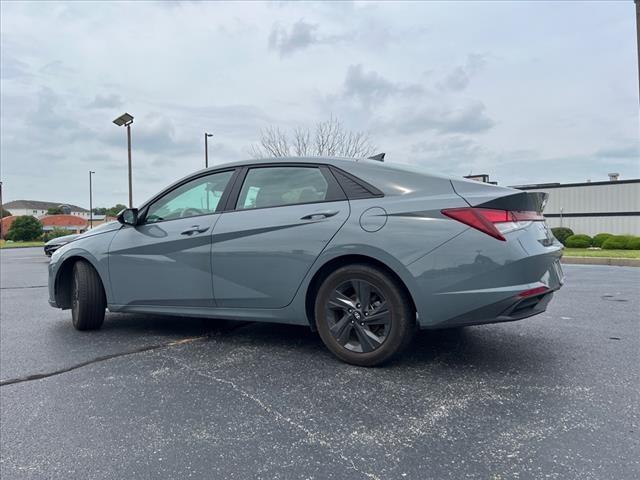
{"x": 363, "y": 316}
{"x": 88, "y": 301}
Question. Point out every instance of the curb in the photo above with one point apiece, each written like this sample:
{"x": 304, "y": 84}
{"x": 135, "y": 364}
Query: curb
{"x": 618, "y": 262}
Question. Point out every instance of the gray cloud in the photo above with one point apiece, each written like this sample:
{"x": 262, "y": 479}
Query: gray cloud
{"x": 12, "y": 68}
{"x": 631, "y": 151}
{"x": 370, "y": 87}
{"x": 449, "y": 148}
{"x": 106, "y": 101}
{"x": 457, "y": 155}
{"x": 217, "y": 75}
{"x": 152, "y": 134}
{"x": 470, "y": 118}
{"x": 51, "y": 116}
{"x": 56, "y": 68}
{"x": 301, "y": 35}
{"x": 458, "y": 79}
{"x": 228, "y": 120}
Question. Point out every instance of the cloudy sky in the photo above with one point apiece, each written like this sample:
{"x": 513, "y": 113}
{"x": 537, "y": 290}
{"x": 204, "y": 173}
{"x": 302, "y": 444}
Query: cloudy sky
{"x": 526, "y": 92}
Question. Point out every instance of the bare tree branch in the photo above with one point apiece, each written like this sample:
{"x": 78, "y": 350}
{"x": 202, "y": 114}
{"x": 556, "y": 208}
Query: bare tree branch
{"x": 301, "y": 142}
{"x": 329, "y": 138}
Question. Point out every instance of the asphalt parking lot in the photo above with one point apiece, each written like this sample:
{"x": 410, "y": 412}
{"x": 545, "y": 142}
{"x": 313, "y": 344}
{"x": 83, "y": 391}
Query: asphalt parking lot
{"x": 555, "y": 396}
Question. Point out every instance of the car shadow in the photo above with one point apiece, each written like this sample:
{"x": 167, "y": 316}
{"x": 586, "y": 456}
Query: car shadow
{"x": 165, "y": 325}
{"x": 498, "y": 348}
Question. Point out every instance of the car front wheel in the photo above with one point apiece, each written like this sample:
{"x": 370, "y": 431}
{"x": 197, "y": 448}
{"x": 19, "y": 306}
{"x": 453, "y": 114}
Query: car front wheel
{"x": 363, "y": 316}
{"x": 88, "y": 302}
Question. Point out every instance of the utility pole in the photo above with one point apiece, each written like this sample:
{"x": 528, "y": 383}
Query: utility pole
{"x": 206, "y": 148}
{"x": 90, "y": 201}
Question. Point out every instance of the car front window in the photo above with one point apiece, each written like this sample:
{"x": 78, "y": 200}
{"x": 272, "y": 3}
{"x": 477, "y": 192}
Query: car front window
{"x": 197, "y": 197}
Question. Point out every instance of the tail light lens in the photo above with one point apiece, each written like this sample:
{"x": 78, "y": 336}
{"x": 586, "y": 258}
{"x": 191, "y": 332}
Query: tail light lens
{"x": 533, "y": 292}
{"x": 494, "y": 223}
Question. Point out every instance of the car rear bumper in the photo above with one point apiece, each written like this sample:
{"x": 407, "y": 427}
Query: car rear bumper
{"x": 475, "y": 279}
{"x": 508, "y": 310}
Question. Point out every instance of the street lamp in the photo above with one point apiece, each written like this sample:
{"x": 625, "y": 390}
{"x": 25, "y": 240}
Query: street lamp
{"x": 126, "y": 120}
{"x": 206, "y": 149}
{"x": 90, "y": 201}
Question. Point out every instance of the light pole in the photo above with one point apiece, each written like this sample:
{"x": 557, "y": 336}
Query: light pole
{"x": 638, "y": 37}
{"x": 126, "y": 120}
{"x": 90, "y": 201}
{"x": 206, "y": 148}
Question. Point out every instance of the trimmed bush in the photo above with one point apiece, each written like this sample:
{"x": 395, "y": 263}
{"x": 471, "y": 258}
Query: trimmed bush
{"x": 55, "y": 233}
{"x": 633, "y": 244}
{"x": 562, "y": 233}
{"x": 600, "y": 238}
{"x": 578, "y": 241}
{"x": 617, "y": 242}
{"x": 25, "y": 228}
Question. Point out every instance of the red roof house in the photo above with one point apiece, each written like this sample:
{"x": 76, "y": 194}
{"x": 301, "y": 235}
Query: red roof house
{"x": 5, "y": 225}
{"x": 68, "y": 222}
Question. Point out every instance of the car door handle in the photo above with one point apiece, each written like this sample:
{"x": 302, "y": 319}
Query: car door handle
{"x": 194, "y": 229}
{"x": 320, "y": 215}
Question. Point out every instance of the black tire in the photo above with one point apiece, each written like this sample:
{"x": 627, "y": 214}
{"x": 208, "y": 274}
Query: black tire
{"x": 391, "y": 337}
{"x": 88, "y": 301}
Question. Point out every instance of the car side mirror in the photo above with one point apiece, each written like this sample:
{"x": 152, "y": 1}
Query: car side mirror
{"x": 128, "y": 216}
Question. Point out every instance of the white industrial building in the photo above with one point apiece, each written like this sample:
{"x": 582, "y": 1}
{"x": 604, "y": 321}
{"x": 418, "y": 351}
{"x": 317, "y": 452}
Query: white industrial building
{"x": 593, "y": 207}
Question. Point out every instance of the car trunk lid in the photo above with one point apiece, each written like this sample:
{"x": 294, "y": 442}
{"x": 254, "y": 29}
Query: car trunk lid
{"x": 483, "y": 195}
{"x": 497, "y": 211}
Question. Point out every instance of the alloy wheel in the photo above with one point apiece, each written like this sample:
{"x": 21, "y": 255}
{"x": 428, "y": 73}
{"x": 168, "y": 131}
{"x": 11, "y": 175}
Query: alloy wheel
{"x": 358, "y": 316}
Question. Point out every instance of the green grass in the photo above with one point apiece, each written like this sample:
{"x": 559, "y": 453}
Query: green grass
{"x": 583, "y": 252}
{"x": 5, "y": 244}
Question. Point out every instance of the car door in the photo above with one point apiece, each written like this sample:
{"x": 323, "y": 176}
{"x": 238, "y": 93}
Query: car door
{"x": 282, "y": 217}
{"x": 165, "y": 260}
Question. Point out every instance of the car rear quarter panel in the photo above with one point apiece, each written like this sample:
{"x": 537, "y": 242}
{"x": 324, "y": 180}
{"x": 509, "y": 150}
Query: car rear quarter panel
{"x": 414, "y": 227}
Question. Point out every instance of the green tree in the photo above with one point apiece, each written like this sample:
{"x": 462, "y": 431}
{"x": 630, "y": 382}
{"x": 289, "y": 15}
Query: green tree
{"x": 54, "y": 211}
{"x": 100, "y": 211}
{"x": 55, "y": 233}
{"x": 113, "y": 211}
{"x": 4, "y": 212}
{"x": 25, "y": 228}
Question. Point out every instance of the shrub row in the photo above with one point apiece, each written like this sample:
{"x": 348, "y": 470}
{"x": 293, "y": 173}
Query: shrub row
{"x": 27, "y": 228}
{"x": 606, "y": 241}
{"x": 55, "y": 233}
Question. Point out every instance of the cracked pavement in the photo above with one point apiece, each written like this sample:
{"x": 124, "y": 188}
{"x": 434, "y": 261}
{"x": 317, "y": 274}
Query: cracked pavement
{"x": 553, "y": 396}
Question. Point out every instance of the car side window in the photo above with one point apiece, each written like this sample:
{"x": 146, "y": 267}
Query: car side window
{"x": 197, "y": 197}
{"x": 276, "y": 186}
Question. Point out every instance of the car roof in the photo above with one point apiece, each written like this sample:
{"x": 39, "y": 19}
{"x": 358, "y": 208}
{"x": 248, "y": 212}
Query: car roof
{"x": 338, "y": 161}
{"x": 390, "y": 178}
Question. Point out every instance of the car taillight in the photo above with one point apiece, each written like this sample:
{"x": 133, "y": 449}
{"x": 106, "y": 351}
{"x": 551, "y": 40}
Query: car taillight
{"x": 493, "y": 222}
